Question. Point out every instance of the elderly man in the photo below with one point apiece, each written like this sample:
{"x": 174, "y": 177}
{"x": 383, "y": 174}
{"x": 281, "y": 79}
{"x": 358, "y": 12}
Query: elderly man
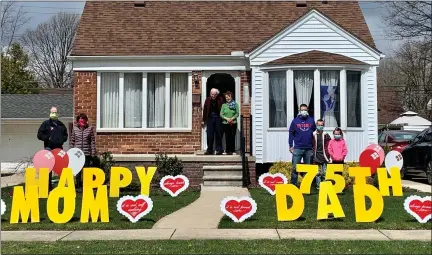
{"x": 53, "y": 132}
{"x": 211, "y": 118}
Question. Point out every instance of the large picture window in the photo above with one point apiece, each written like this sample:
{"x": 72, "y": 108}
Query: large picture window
{"x": 277, "y": 99}
{"x": 303, "y": 90}
{"x": 353, "y": 99}
{"x": 165, "y": 103}
{"x": 330, "y": 98}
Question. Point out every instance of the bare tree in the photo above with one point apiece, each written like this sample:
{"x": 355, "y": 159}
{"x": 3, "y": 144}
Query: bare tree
{"x": 49, "y": 45}
{"x": 12, "y": 18}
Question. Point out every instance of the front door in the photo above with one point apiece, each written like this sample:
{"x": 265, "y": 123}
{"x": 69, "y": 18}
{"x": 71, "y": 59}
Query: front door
{"x": 223, "y": 81}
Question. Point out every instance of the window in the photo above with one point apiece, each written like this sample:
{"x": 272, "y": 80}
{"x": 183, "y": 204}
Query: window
{"x": 165, "y": 103}
{"x": 109, "y": 113}
{"x": 353, "y": 99}
{"x": 428, "y": 137}
{"x": 382, "y": 137}
{"x": 303, "y": 90}
{"x": 330, "y": 98}
{"x": 277, "y": 99}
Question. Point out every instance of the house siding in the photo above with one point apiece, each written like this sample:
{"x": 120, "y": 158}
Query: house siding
{"x": 313, "y": 34}
{"x": 258, "y": 113}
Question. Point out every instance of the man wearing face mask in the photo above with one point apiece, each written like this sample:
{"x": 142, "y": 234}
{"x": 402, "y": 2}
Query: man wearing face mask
{"x": 53, "y": 132}
{"x": 212, "y": 119}
{"x": 300, "y": 140}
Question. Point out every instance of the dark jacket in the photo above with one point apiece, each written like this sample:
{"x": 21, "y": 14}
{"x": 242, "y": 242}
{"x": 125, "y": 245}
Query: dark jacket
{"x": 53, "y": 133}
{"x": 301, "y": 132}
{"x": 326, "y": 139}
{"x": 84, "y": 139}
{"x": 206, "y": 110}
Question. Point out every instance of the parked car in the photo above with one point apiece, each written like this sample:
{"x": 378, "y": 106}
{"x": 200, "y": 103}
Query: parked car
{"x": 418, "y": 155}
{"x": 396, "y": 139}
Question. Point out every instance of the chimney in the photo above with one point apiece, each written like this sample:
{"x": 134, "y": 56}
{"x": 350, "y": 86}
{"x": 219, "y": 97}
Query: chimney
{"x": 301, "y": 4}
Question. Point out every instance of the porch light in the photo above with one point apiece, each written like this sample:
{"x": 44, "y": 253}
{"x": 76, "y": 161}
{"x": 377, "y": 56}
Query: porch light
{"x": 196, "y": 80}
{"x": 246, "y": 93}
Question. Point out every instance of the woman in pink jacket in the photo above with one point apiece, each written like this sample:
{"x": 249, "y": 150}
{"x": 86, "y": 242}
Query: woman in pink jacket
{"x": 337, "y": 147}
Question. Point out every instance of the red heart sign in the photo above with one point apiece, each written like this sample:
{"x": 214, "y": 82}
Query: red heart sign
{"x": 419, "y": 207}
{"x": 268, "y": 181}
{"x": 174, "y": 185}
{"x": 134, "y": 208}
{"x": 238, "y": 209}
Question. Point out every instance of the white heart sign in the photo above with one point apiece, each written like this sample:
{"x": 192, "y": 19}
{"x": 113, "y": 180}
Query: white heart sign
{"x": 419, "y": 207}
{"x": 3, "y": 207}
{"x": 134, "y": 208}
{"x": 393, "y": 159}
{"x": 238, "y": 208}
{"x": 76, "y": 160}
{"x": 174, "y": 185}
{"x": 268, "y": 181}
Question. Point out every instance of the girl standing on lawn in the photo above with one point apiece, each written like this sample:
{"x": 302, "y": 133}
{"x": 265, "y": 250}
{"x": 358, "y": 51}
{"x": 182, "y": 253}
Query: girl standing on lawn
{"x": 337, "y": 147}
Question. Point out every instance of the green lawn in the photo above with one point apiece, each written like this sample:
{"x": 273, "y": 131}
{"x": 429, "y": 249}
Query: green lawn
{"x": 394, "y": 215}
{"x": 163, "y": 204}
{"x": 218, "y": 247}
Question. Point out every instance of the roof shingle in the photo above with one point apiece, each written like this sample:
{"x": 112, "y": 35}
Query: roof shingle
{"x": 198, "y": 27}
{"x": 316, "y": 57}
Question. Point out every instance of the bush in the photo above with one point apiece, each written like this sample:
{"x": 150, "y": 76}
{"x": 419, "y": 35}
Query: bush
{"x": 104, "y": 161}
{"x": 168, "y": 166}
{"x": 284, "y": 168}
{"x": 349, "y": 180}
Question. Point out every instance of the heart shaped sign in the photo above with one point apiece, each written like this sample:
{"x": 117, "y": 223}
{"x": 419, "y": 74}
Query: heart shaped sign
{"x": 61, "y": 161}
{"x": 378, "y": 149}
{"x": 370, "y": 158}
{"x": 3, "y": 207}
{"x": 238, "y": 208}
{"x": 134, "y": 208}
{"x": 174, "y": 185}
{"x": 268, "y": 181}
{"x": 43, "y": 159}
{"x": 419, "y": 207}
{"x": 76, "y": 160}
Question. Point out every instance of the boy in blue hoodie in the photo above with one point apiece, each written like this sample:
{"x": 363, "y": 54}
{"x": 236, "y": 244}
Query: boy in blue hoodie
{"x": 300, "y": 139}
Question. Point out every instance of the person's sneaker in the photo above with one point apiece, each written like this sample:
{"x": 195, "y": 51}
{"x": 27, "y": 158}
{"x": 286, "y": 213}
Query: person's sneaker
{"x": 219, "y": 153}
{"x": 233, "y": 153}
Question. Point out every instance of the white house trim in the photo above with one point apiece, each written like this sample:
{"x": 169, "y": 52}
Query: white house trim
{"x": 144, "y": 129}
{"x": 308, "y": 67}
{"x": 314, "y": 14}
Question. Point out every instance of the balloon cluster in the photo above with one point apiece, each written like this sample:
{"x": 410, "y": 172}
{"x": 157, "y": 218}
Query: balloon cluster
{"x": 373, "y": 156}
{"x": 58, "y": 159}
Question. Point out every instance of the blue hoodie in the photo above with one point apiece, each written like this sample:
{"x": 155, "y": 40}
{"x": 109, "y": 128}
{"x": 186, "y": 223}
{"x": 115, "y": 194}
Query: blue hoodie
{"x": 301, "y": 131}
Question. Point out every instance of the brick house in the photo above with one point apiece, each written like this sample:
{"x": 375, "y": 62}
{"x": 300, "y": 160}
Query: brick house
{"x": 143, "y": 71}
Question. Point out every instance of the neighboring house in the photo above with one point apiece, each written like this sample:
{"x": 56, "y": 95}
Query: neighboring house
{"x": 143, "y": 71}
{"x": 411, "y": 121}
{"x": 21, "y": 116}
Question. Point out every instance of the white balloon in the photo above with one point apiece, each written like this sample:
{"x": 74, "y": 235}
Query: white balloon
{"x": 393, "y": 159}
{"x": 76, "y": 160}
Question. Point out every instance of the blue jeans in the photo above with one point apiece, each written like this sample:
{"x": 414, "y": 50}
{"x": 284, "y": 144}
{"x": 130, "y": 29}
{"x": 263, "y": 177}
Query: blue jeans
{"x": 298, "y": 155}
{"x": 321, "y": 174}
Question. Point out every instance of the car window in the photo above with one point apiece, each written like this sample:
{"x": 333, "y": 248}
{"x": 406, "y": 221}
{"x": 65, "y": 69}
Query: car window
{"x": 419, "y": 136}
{"x": 403, "y": 136}
{"x": 428, "y": 138}
{"x": 381, "y": 138}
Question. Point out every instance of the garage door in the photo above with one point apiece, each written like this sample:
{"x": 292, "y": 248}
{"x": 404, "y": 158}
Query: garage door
{"x": 19, "y": 142}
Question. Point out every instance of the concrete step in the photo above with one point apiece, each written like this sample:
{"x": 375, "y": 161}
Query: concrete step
{"x": 223, "y": 170}
{"x": 223, "y": 180}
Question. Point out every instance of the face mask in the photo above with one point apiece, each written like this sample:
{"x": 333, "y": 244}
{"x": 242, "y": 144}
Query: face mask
{"x": 304, "y": 113}
{"x": 54, "y": 115}
{"x": 82, "y": 122}
{"x": 320, "y": 128}
{"x": 337, "y": 137}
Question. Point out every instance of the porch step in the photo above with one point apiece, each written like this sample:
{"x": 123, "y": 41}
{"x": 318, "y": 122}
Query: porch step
{"x": 223, "y": 181}
{"x": 222, "y": 170}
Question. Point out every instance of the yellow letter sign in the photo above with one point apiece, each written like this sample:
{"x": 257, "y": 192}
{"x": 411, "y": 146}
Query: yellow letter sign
{"x": 296, "y": 210}
{"x": 65, "y": 192}
{"x": 393, "y": 181}
{"x": 145, "y": 178}
{"x": 328, "y": 190}
{"x": 311, "y": 171}
{"x": 24, "y": 204}
{"x": 92, "y": 206}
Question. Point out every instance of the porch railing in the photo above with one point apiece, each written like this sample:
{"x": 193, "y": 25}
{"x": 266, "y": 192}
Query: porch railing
{"x": 245, "y": 139}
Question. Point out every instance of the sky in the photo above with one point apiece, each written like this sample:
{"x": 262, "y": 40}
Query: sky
{"x": 373, "y": 12}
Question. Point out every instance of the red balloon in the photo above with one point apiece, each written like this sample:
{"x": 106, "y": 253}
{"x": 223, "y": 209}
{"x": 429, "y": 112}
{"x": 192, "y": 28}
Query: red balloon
{"x": 61, "y": 161}
{"x": 370, "y": 158}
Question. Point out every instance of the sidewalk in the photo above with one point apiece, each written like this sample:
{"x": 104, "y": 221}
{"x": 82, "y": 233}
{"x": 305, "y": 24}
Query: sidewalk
{"x": 417, "y": 186}
{"x": 220, "y": 234}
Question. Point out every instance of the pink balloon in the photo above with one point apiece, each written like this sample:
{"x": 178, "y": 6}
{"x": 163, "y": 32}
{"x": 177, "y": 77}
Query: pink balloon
{"x": 43, "y": 159}
{"x": 379, "y": 149}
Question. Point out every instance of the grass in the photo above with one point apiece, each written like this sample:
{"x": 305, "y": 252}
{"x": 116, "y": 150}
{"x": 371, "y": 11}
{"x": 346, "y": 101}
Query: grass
{"x": 218, "y": 247}
{"x": 163, "y": 204}
{"x": 394, "y": 215}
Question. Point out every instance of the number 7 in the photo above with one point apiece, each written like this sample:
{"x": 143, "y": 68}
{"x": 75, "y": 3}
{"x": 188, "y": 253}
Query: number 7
{"x": 311, "y": 171}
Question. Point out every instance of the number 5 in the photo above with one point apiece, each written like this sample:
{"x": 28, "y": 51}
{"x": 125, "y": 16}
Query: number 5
{"x": 331, "y": 171}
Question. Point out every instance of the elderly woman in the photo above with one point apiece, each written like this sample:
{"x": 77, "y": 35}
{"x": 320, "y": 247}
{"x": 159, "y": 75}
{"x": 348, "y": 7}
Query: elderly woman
{"x": 83, "y": 137}
{"x": 229, "y": 113}
{"x": 211, "y": 118}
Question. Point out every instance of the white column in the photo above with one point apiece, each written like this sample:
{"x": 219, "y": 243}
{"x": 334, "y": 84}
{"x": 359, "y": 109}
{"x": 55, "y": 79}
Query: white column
{"x": 167, "y": 100}
{"x": 317, "y": 95}
{"x": 144, "y": 100}
{"x": 290, "y": 95}
{"x": 343, "y": 99}
{"x": 121, "y": 101}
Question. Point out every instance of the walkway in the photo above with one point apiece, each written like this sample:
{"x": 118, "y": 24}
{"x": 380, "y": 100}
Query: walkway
{"x": 204, "y": 213}
{"x": 417, "y": 186}
{"x": 221, "y": 234}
